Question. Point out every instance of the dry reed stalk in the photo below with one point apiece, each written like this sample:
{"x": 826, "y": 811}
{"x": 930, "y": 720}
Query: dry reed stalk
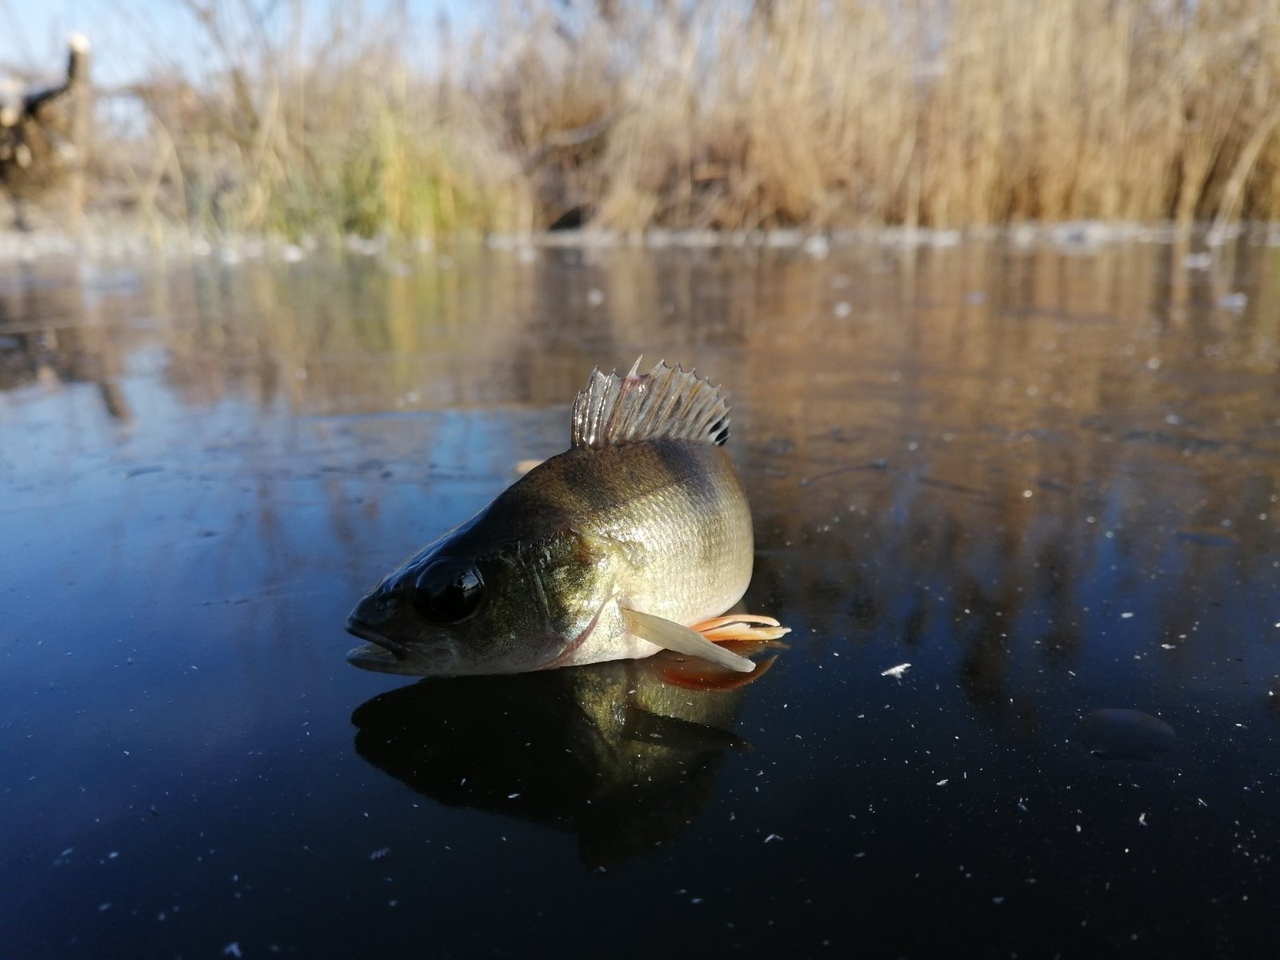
{"x": 819, "y": 113}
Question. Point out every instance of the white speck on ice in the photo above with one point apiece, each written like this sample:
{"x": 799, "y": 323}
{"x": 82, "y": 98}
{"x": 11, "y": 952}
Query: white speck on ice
{"x": 1127, "y": 615}
{"x": 1142, "y": 819}
{"x": 380, "y": 853}
{"x": 943, "y": 782}
{"x": 232, "y": 949}
{"x": 896, "y": 672}
{"x": 512, "y": 796}
{"x": 997, "y": 900}
{"x": 772, "y": 836}
{"x": 104, "y": 907}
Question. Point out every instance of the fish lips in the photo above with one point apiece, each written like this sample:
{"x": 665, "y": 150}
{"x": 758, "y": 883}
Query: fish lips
{"x": 383, "y": 643}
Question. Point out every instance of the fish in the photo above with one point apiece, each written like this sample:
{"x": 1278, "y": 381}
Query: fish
{"x": 632, "y": 541}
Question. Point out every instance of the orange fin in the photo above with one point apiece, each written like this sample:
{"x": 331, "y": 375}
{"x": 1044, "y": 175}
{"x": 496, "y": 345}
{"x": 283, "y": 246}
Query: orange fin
{"x": 701, "y": 675}
{"x": 741, "y": 626}
{"x": 681, "y": 639}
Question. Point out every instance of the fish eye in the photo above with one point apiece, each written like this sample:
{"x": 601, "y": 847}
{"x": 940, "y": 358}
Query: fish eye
{"x": 448, "y": 591}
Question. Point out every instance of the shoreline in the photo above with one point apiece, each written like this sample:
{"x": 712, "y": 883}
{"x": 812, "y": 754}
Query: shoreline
{"x": 109, "y": 238}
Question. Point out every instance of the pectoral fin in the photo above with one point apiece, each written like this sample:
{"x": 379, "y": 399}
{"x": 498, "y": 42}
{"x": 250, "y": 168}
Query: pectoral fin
{"x": 672, "y": 636}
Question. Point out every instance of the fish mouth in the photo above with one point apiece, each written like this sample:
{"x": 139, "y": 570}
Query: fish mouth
{"x": 358, "y": 629}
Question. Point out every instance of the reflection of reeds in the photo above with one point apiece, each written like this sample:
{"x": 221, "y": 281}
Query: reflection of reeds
{"x": 993, "y": 449}
{"x": 853, "y": 112}
{"x": 991, "y": 477}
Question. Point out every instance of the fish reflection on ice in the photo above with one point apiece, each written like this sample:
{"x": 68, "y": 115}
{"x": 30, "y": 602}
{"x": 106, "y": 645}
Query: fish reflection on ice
{"x": 624, "y": 753}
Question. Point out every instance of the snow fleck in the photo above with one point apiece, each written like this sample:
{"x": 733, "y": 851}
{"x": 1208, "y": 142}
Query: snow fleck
{"x": 943, "y": 782}
{"x": 232, "y": 949}
{"x": 379, "y": 853}
{"x": 1142, "y": 819}
{"x": 772, "y": 836}
{"x": 896, "y": 672}
{"x": 1127, "y": 615}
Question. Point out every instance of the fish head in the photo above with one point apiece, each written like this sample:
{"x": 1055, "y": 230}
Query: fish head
{"x": 457, "y": 608}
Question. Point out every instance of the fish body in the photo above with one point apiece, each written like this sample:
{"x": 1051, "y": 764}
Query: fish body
{"x": 607, "y": 551}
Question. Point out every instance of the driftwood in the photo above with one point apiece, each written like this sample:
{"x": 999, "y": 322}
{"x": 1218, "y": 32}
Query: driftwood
{"x": 38, "y": 149}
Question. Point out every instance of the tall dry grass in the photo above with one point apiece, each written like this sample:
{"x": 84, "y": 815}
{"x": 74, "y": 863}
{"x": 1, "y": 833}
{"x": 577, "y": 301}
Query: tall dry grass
{"x": 294, "y": 130}
{"x": 696, "y": 113}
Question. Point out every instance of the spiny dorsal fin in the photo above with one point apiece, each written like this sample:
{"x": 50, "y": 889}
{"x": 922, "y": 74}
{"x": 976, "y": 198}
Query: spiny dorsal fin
{"x": 666, "y": 402}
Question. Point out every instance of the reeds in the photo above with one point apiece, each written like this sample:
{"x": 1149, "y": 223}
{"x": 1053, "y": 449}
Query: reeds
{"x": 702, "y": 114}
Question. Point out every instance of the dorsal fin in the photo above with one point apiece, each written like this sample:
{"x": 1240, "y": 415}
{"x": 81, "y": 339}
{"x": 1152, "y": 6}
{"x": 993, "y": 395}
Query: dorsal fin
{"x": 666, "y": 402}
